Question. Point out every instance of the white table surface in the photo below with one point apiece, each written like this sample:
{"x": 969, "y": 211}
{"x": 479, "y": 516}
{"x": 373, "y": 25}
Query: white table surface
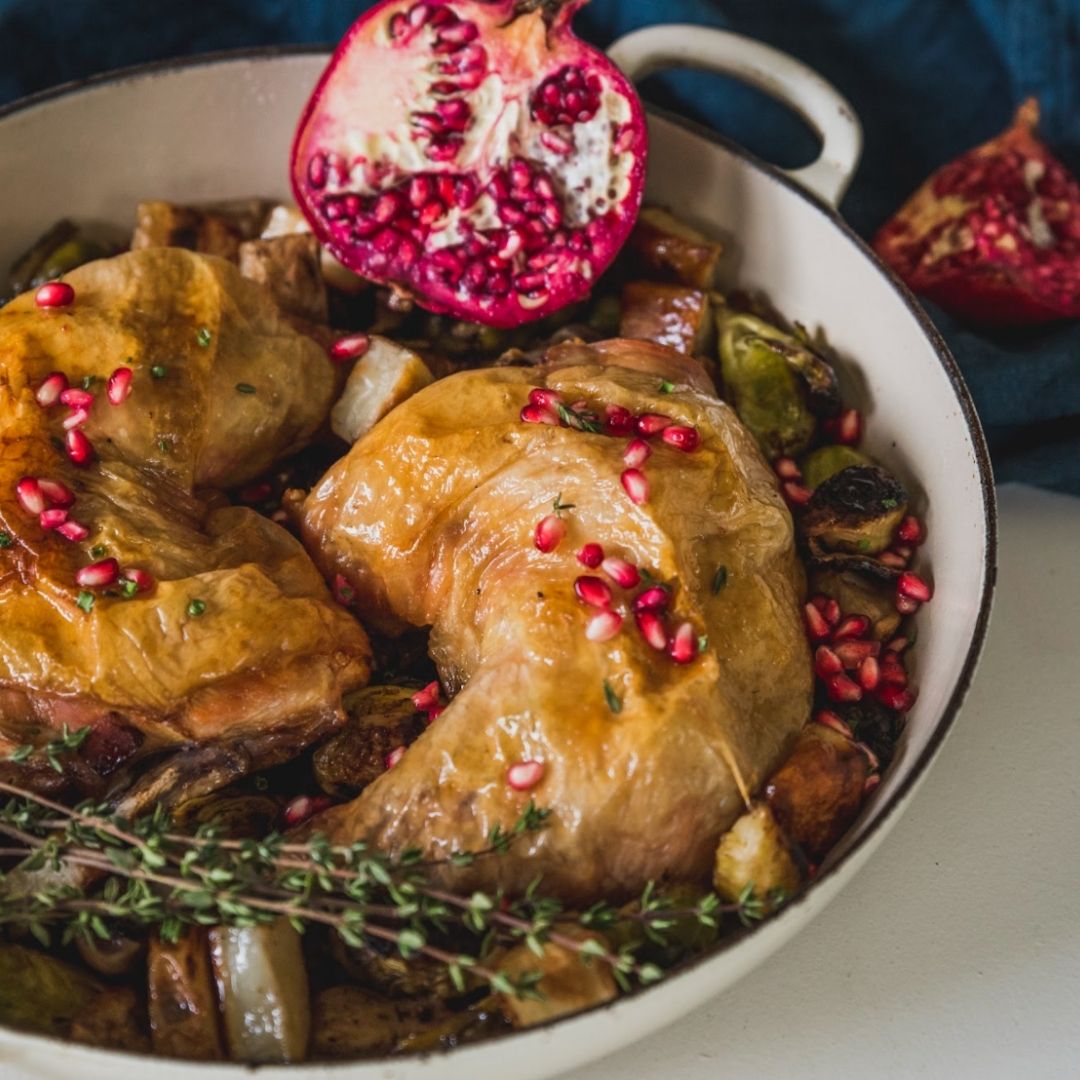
{"x": 956, "y": 951}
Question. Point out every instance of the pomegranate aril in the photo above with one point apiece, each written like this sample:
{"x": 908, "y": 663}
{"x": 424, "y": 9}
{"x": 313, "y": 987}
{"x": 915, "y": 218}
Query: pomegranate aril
{"x": 831, "y": 611}
{"x": 618, "y": 420}
{"x": 895, "y": 697}
{"x": 906, "y": 606}
{"x": 913, "y": 587}
{"x": 56, "y": 493}
{"x": 28, "y": 492}
{"x": 621, "y": 572}
{"x": 795, "y": 494}
{"x": 256, "y": 493}
{"x": 826, "y": 662}
{"x": 119, "y": 386}
{"x": 394, "y": 756}
{"x": 427, "y": 698}
{"x": 143, "y": 580}
{"x": 434, "y": 713}
{"x": 652, "y": 629}
{"x": 685, "y": 439}
{"x": 549, "y": 533}
{"x": 54, "y": 294}
{"x": 841, "y": 688}
{"x": 603, "y": 626}
{"x": 871, "y": 757}
{"x": 52, "y": 519}
{"x": 76, "y": 398}
{"x": 52, "y": 386}
{"x": 525, "y": 775}
{"x": 635, "y": 485}
{"x": 869, "y": 673}
{"x": 298, "y": 810}
{"x": 349, "y": 347}
{"x": 539, "y": 414}
{"x": 870, "y": 783}
{"x": 849, "y": 427}
{"x": 816, "y": 626}
{"x": 683, "y": 648}
{"x": 831, "y": 720}
{"x": 655, "y": 598}
{"x": 593, "y": 591}
{"x": 649, "y": 424}
{"x": 852, "y": 653}
{"x": 591, "y": 555}
{"x": 636, "y": 453}
{"x": 893, "y": 560}
{"x": 76, "y": 419}
{"x": 911, "y": 531}
{"x": 853, "y": 626}
{"x": 73, "y": 531}
{"x": 786, "y": 469}
{"x": 897, "y": 645}
{"x": 545, "y": 398}
{"x": 98, "y": 575}
{"x": 892, "y": 670}
{"x": 79, "y": 448}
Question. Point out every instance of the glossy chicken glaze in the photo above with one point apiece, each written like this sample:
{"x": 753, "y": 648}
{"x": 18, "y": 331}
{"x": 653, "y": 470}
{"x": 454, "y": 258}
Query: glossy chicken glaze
{"x": 430, "y": 518}
{"x": 270, "y": 654}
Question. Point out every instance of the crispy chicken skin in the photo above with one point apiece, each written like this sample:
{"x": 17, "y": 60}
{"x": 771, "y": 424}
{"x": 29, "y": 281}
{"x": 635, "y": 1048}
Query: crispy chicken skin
{"x": 266, "y": 654}
{"x": 430, "y": 517}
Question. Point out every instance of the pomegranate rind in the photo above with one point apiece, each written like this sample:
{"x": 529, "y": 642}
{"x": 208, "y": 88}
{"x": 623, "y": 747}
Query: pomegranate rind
{"x": 529, "y": 51}
{"x": 993, "y": 236}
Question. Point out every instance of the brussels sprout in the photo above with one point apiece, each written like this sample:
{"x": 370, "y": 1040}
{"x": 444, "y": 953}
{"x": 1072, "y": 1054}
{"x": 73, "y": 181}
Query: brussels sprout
{"x": 40, "y": 993}
{"x": 236, "y": 814}
{"x": 389, "y": 973}
{"x": 856, "y": 510}
{"x": 874, "y": 724}
{"x": 755, "y": 853}
{"x": 112, "y": 956}
{"x": 827, "y": 461}
{"x": 859, "y": 594}
{"x": 53, "y": 254}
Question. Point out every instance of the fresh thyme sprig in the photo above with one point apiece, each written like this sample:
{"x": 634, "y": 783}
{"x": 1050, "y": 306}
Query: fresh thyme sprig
{"x": 52, "y": 751}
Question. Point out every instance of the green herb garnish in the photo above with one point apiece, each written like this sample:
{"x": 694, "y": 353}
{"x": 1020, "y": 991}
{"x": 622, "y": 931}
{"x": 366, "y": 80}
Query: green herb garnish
{"x": 164, "y": 446}
{"x": 558, "y": 505}
{"x": 581, "y": 421}
{"x": 86, "y": 601}
{"x": 196, "y": 607}
{"x": 719, "y": 579}
{"x": 88, "y": 381}
{"x": 614, "y": 702}
{"x": 702, "y": 643}
{"x": 158, "y": 371}
{"x": 98, "y": 550}
{"x": 204, "y": 337}
{"x": 129, "y": 588}
{"x": 245, "y": 388}
{"x": 666, "y": 387}
{"x": 889, "y": 504}
{"x": 6, "y": 540}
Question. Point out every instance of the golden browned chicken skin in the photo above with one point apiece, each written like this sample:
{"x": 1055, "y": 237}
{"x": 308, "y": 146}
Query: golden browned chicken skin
{"x": 431, "y": 519}
{"x": 238, "y": 645}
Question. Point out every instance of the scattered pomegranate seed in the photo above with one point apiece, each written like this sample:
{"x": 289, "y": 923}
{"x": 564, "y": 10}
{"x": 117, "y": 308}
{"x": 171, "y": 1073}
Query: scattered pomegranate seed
{"x": 591, "y": 555}
{"x": 893, "y": 559}
{"x": 684, "y": 644}
{"x": 523, "y": 775}
{"x": 870, "y": 783}
{"x": 56, "y": 493}
{"x": 682, "y": 438}
{"x": 816, "y": 625}
{"x": 819, "y": 601}
{"x": 621, "y": 572}
{"x": 54, "y": 294}
{"x": 913, "y": 587}
{"x": 795, "y": 493}
{"x": 910, "y": 531}
{"x": 546, "y": 399}
{"x": 118, "y": 386}
{"x": 30, "y": 496}
{"x": 852, "y": 653}
{"x": 427, "y": 698}
{"x": 652, "y": 629}
{"x": 853, "y": 626}
{"x": 786, "y": 469}
{"x": 394, "y": 756}
{"x": 73, "y": 531}
{"x": 849, "y": 427}
{"x": 635, "y": 485}
{"x": 52, "y": 386}
{"x": 298, "y": 810}
{"x": 654, "y": 598}
{"x": 256, "y": 493}
{"x": 343, "y": 591}
{"x": 841, "y": 688}
{"x": 826, "y": 662}
{"x": 831, "y": 611}
{"x": 593, "y": 591}
{"x": 434, "y": 713}
{"x": 895, "y": 697}
{"x": 870, "y": 756}
{"x": 350, "y": 347}
{"x": 831, "y": 720}
{"x": 539, "y": 414}
{"x": 603, "y": 626}
{"x": 98, "y": 575}
{"x": 52, "y": 519}
{"x": 892, "y": 670}
{"x": 549, "y": 533}
{"x": 75, "y": 397}
{"x": 75, "y": 419}
{"x": 79, "y": 448}
{"x": 906, "y": 606}
{"x": 651, "y": 423}
{"x": 897, "y": 645}
{"x": 617, "y": 420}
{"x": 869, "y": 673}
{"x": 637, "y": 452}
{"x": 142, "y": 579}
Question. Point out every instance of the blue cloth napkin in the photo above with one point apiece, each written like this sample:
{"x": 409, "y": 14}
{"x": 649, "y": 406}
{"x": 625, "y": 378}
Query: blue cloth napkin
{"x": 929, "y": 78}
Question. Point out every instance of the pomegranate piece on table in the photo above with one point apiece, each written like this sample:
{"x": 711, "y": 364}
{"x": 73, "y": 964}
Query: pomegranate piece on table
{"x": 476, "y": 154}
{"x": 993, "y": 236}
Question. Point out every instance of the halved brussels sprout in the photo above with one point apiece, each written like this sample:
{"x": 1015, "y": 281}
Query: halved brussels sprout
{"x": 856, "y": 511}
{"x": 860, "y": 594}
{"x": 235, "y": 813}
{"x": 111, "y": 956}
{"x": 40, "y": 993}
{"x": 826, "y": 461}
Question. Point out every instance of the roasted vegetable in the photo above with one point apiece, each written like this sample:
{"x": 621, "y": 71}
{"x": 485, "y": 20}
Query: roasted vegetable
{"x": 755, "y": 853}
{"x": 816, "y": 793}
{"x": 826, "y": 461}
{"x": 112, "y": 1021}
{"x": 351, "y": 1022}
{"x": 286, "y": 220}
{"x": 389, "y": 973}
{"x": 53, "y": 254}
{"x": 860, "y": 594}
{"x": 110, "y": 956}
{"x": 40, "y": 993}
{"x": 235, "y": 813}
{"x": 856, "y": 510}
{"x": 670, "y": 250}
{"x": 289, "y": 267}
{"x": 183, "y": 1006}
{"x": 674, "y": 315}
{"x": 874, "y": 725}
{"x": 216, "y": 229}
{"x": 263, "y": 989}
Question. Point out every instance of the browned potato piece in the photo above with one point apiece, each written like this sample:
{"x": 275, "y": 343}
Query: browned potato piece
{"x": 569, "y": 983}
{"x": 213, "y": 230}
{"x": 674, "y": 315}
{"x": 289, "y": 267}
{"x": 350, "y": 1022}
{"x": 674, "y": 251}
{"x": 182, "y": 1001}
{"x": 816, "y": 793}
{"x": 754, "y": 852}
{"x": 110, "y": 1020}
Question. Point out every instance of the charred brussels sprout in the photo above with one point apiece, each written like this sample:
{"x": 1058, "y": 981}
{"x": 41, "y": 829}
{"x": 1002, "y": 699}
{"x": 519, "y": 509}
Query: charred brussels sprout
{"x": 389, "y": 973}
{"x": 874, "y": 724}
{"x": 236, "y": 814}
{"x": 857, "y": 593}
{"x": 38, "y": 992}
{"x": 826, "y": 461}
{"x": 855, "y": 511}
{"x": 53, "y": 254}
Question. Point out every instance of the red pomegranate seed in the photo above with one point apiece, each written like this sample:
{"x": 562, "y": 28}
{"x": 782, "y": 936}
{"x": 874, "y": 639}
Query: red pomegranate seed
{"x": 910, "y": 531}
{"x": 819, "y": 601}
{"x": 786, "y": 469}
{"x": 906, "y": 606}
{"x": 52, "y": 386}
{"x": 841, "y": 688}
{"x": 546, "y": 399}
{"x": 831, "y": 720}
{"x": 870, "y": 783}
{"x": 298, "y": 810}
{"x": 895, "y": 697}
{"x": 870, "y": 756}
{"x": 893, "y": 559}
{"x": 434, "y": 713}
{"x": 826, "y": 662}
{"x": 621, "y": 572}
{"x": 849, "y": 427}
{"x": 593, "y": 591}
{"x": 427, "y": 698}
{"x": 76, "y": 398}
{"x": 617, "y": 420}
{"x": 56, "y": 494}
{"x": 652, "y": 599}
{"x": 75, "y": 419}
{"x": 831, "y": 611}
{"x": 636, "y": 486}
{"x": 350, "y": 347}
{"x": 54, "y": 294}
{"x": 143, "y": 579}
{"x": 343, "y": 591}
{"x": 256, "y": 493}
{"x": 684, "y": 644}
{"x": 118, "y": 386}
{"x": 523, "y": 775}
{"x": 795, "y": 493}
{"x": 652, "y": 629}
{"x": 636, "y": 453}
{"x": 853, "y": 626}
{"x": 897, "y": 645}
{"x": 52, "y": 519}
{"x": 905, "y": 551}
{"x": 853, "y": 653}
{"x": 869, "y": 673}
{"x": 892, "y": 670}
{"x": 816, "y": 626}
{"x": 30, "y": 496}
{"x": 913, "y": 587}
{"x": 538, "y": 414}
{"x": 394, "y": 756}
{"x": 549, "y": 533}
{"x": 73, "y": 531}
{"x": 591, "y": 555}
{"x": 79, "y": 448}
{"x": 682, "y": 438}
{"x": 603, "y": 626}
{"x": 98, "y": 575}
{"x": 651, "y": 423}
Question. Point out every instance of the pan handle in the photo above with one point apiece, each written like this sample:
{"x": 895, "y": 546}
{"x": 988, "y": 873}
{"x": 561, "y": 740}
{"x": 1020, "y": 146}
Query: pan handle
{"x": 802, "y": 89}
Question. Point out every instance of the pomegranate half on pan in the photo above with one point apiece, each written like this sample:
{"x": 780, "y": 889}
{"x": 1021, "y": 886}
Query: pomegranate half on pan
{"x": 478, "y": 155}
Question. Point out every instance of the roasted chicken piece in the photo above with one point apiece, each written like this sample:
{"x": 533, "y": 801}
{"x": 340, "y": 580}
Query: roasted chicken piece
{"x": 642, "y": 761}
{"x": 212, "y": 631}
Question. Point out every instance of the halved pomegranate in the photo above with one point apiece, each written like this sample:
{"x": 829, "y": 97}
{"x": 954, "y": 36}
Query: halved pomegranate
{"x": 473, "y": 152}
{"x": 993, "y": 236}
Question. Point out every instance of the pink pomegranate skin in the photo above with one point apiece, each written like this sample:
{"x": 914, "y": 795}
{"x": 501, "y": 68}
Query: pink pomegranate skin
{"x": 993, "y": 236}
{"x": 476, "y": 154}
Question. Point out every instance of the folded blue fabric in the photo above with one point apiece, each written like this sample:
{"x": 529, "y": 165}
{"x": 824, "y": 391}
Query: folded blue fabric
{"x": 929, "y": 78}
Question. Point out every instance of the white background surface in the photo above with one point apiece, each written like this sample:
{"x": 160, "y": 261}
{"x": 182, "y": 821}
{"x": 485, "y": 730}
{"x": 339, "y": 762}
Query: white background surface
{"x": 956, "y": 951}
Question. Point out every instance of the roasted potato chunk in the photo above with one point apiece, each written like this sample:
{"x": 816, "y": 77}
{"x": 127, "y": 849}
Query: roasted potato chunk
{"x": 183, "y": 1007}
{"x": 289, "y": 267}
{"x": 111, "y": 1020}
{"x": 856, "y": 511}
{"x": 755, "y": 852}
{"x": 817, "y": 792}
{"x": 671, "y": 250}
{"x": 351, "y": 1022}
{"x": 674, "y": 315}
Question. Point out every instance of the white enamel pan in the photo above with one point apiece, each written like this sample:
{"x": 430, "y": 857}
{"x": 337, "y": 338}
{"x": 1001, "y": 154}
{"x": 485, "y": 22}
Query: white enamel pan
{"x": 219, "y": 127}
